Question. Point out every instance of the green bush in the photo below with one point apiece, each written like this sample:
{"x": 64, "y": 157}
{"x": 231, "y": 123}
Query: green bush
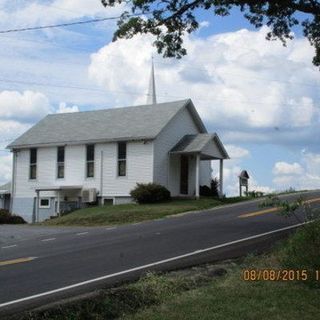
{"x": 212, "y": 191}
{"x": 7, "y": 218}
{"x": 302, "y": 250}
{"x": 254, "y": 194}
{"x": 214, "y": 185}
{"x": 150, "y": 193}
{"x": 205, "y": 191}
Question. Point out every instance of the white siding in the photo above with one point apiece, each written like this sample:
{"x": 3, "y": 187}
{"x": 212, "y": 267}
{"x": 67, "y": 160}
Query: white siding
{"x": 212, "y": 149}
{"x": 179, "y": 126}
{"x": 205, "y": 172}
{"x": 46, "y": 157}
{"x": 139, "y": 169}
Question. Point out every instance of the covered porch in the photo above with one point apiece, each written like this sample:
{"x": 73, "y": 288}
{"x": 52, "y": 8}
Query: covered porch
{"x": 190, "y": 164}
{"x": 53, "y": 200}
{"x": 5, "y": 196}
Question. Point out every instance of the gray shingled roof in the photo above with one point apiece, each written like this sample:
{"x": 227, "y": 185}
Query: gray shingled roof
{"x": 130, "y": 123}
{"x": 193, "y": 143}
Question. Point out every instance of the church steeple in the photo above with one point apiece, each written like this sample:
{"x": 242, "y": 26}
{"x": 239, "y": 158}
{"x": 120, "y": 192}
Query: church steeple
{"x": 152, "y": 97}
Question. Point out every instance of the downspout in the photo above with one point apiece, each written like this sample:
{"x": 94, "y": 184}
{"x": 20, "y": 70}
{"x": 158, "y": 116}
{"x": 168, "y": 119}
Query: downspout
{"x": 101, "y": 178}
{"x": 13, "y": 183}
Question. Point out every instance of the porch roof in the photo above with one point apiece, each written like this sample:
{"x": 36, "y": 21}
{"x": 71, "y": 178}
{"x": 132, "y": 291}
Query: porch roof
{"x": 207, "y": 144}
{"x": 58, "y": 188}
{"x": 6, "y": 188}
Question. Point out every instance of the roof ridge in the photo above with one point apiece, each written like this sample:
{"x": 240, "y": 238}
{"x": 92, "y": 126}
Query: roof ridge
{"x": 120, "y": 108}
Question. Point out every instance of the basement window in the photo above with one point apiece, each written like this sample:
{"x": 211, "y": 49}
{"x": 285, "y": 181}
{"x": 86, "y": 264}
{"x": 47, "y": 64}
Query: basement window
{"x": 44, "y": 203}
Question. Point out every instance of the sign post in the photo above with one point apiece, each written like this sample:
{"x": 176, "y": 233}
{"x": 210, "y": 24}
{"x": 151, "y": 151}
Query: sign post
{"x": 243, "y": 181}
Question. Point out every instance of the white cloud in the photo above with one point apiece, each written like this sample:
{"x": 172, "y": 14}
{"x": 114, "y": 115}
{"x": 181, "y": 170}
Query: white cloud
{"x": 232, "y": 169}
{"x": 305, "y": 175}
{"x": 284, "y": 168}
{"x": 244, "y": 87}
{"x": 63, "y": 108}
{"x": 10, "y": 129}
{"x": 35, "y": 13}
{"x": 236, "y": 152}
{"x": 27, "y": 106}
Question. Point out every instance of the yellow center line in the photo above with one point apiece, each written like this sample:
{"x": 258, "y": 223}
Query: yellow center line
{"x": 258, "y": 213}
{"x": 15, "y": 261}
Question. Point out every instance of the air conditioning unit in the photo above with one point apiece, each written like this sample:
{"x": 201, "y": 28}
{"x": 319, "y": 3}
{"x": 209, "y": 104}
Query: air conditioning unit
{"x": 89, "y": 195}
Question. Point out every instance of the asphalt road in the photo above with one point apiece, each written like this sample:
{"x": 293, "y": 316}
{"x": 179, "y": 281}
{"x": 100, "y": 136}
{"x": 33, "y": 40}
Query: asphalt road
{"x": 41, "y": 265}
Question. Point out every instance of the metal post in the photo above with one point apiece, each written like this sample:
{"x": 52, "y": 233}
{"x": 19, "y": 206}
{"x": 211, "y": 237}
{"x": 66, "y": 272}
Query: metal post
{"x": 13, "y": 182}
{"x": 37, "y": 205}
{"x": 101, "y": 178}
{"x": 221, "y": 177}
{"x": 198, "y": 176}
{"x": 58, "y": 204}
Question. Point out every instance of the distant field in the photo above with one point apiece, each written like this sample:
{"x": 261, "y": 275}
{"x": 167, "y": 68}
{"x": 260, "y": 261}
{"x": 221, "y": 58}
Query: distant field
{"x": 131, "y": 213}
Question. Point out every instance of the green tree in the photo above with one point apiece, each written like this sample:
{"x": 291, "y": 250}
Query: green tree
{"x": 169, "y": 20}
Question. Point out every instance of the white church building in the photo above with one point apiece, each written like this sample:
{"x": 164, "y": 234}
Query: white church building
{"x": 68, "y": 160}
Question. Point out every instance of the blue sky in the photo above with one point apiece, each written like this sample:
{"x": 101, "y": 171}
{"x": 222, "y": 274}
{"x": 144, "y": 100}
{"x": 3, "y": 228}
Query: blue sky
{"x": 261, "y": 98}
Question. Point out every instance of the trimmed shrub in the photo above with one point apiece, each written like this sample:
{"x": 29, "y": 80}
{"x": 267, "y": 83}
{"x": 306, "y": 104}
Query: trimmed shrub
{"x": 211, "y": 191}
{"x": 4, "y": 216}
{"x": 16, "y": 220}
{"x": 205, "y": 191}
{"x": 254, "y": 194}
{"x": 7, "y": 218}
{"x": 215, "y": 187}
{"x": 150, "y": 193}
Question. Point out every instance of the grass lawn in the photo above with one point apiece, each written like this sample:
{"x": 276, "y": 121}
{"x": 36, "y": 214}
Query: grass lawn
{"x": 130, "y": 213}
{"x": 232, "y": 298}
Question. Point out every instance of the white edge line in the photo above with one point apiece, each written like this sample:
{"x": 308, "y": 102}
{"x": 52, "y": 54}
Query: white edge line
{"x": 146, "y": 266}
{"x": 7, "y": 247}
{"x": 49, "y": 239}
{"x": 82, "y": 233}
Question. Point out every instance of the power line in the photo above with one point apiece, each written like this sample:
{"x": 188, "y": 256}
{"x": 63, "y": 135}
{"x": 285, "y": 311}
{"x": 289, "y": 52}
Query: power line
{"x": 134, "y": 93}
{"x": 61, "y": 25}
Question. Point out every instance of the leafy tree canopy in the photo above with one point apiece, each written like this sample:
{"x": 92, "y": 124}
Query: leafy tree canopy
{"x": 169, "y": 20}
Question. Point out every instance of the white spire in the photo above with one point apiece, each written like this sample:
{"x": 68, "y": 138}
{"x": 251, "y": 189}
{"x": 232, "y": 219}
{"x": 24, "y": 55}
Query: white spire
{"x": 152, "y": 98}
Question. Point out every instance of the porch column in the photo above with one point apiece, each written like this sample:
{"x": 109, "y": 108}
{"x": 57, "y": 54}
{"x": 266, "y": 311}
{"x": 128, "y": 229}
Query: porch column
{"x": 198, "y": 176}
{"x": 58, "y": 203}
{"x": 221, "y": 178}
